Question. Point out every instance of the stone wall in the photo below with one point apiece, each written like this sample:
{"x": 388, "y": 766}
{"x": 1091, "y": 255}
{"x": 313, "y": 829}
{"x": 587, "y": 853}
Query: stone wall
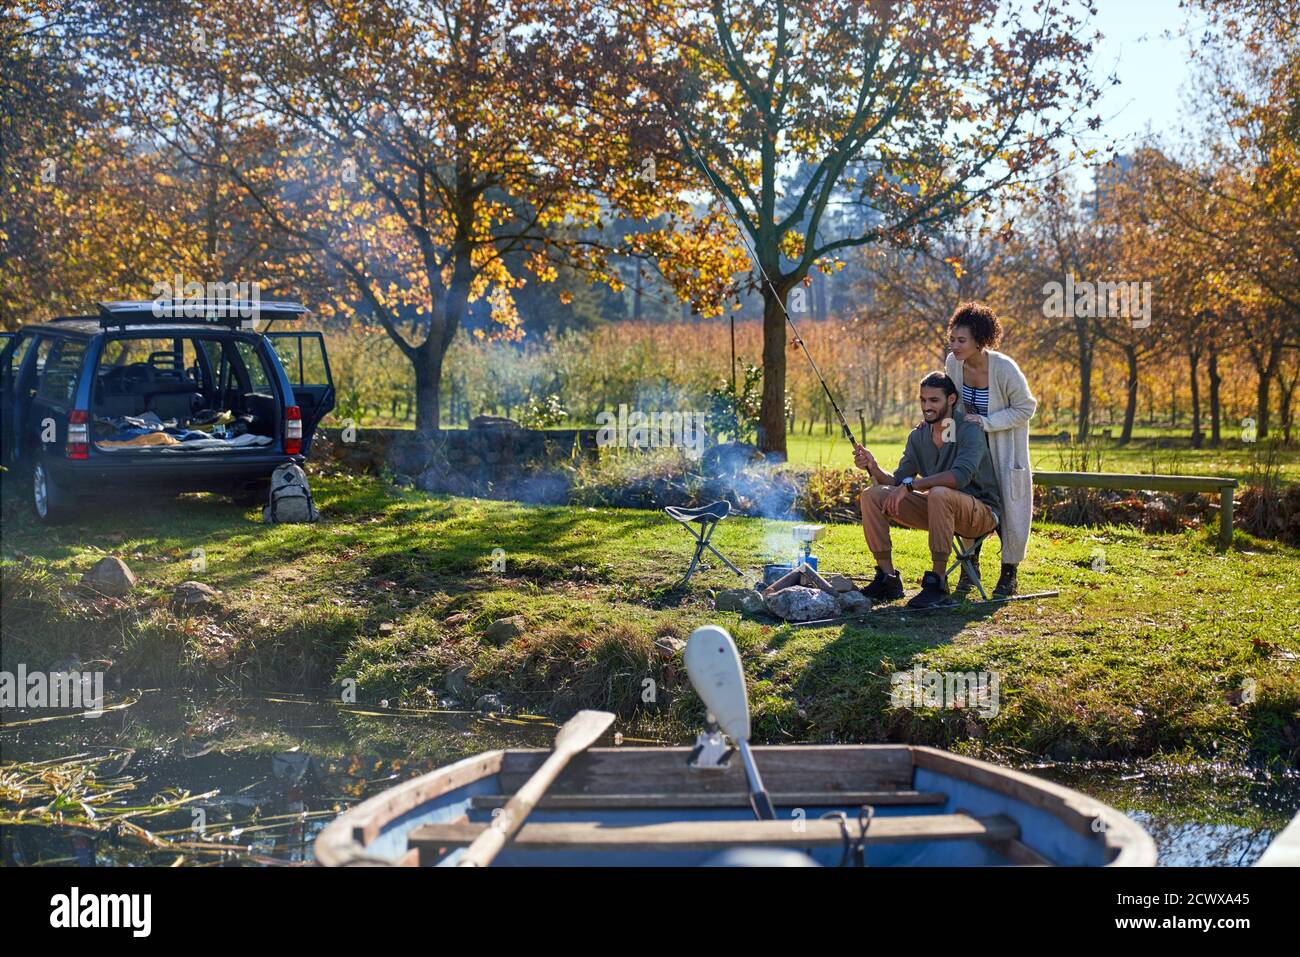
{"x": 490, "y": 453}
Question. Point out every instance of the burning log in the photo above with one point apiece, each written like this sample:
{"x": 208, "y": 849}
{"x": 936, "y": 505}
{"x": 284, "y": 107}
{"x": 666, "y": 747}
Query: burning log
{"x": 804, "y": 574}
{"x": 810, "y": 577}
{"x": 792, "y": 577}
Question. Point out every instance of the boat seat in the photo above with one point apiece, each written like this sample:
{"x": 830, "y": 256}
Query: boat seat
{"x": 430, "y": 839}
{"x": 720, "y": 799}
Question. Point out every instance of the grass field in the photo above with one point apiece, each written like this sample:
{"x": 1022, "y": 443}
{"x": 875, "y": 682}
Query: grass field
{"x": 1156, "y": 643}
{"x": 1149, "y": 452}
{"x": 1142, "y": 455}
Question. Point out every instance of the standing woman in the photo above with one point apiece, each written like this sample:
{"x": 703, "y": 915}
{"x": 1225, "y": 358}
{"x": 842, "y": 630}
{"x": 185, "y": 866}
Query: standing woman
{"x": 992, "y": 391}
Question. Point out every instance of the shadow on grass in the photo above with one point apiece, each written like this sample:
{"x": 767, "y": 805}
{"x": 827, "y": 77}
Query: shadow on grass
{"x": 836, "y": 678}
{"x": 410, "y": 540}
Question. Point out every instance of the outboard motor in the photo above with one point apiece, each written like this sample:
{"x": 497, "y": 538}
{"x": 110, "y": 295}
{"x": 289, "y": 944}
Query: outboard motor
{"x": 718, "y": 677}
{"x": 711, "y": 751}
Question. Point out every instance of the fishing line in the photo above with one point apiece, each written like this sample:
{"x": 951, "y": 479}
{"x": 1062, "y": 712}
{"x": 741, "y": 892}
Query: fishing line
{"x": 844, "y": 423}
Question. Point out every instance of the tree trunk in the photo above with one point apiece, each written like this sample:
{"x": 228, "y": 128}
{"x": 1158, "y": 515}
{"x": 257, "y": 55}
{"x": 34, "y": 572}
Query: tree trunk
{"x": 212, "y": 213}
{"x": 771, "y": 415}
{"x": 1288, "y": 397}
{"x": 1130, "y": 406}
{"x": 1085, "y": 390}
{"x": 1194, "y": 362}
{"x": 428, "y": 378}
{"x": 1215, "y": 379}
{"x": 1263, "y": 390}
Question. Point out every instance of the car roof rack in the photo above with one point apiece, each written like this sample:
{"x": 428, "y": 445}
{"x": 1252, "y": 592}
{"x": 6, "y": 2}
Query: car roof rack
{"x": 233, "y": 313}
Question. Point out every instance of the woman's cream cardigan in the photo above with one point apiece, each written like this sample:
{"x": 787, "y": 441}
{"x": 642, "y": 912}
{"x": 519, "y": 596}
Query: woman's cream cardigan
{"x": 1011, "y": 406}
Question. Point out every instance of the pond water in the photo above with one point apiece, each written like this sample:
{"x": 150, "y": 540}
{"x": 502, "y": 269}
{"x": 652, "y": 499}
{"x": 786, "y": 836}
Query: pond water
{"x": 168, "y": 778}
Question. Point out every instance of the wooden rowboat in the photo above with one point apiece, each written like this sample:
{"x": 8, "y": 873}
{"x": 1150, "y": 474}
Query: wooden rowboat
{"x": 1284, "y": 851}
{"x": 646, "y": 807}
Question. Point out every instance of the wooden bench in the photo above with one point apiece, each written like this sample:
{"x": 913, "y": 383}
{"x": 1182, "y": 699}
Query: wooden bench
{"x": 432, "y": 839}
{"x": 590, "y": 802}
{"x": 1154, "y": 483}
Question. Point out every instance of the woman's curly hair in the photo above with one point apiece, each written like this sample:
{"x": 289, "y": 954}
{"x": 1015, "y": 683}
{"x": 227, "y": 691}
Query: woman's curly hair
{"x": 982, "y": 322}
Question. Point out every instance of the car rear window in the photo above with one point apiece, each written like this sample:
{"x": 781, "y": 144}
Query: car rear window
{"x": 303, "y": 359}
{"x": 176, "y": 357}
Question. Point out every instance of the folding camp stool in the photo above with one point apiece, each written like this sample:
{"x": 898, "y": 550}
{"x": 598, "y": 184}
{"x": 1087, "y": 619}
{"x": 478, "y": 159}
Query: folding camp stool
{"x": 967, "y": 558}
{"x": 708, "y": 517}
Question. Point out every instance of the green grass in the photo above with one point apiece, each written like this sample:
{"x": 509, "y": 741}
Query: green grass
{"x": 1142, "y": 455}
{"x": 1145, "y": 654}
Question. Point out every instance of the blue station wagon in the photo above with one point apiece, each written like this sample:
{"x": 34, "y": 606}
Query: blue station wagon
{"x": 147, "y": 399}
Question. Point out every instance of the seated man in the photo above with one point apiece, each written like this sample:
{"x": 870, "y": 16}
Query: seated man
{"x": 956, "y": 491}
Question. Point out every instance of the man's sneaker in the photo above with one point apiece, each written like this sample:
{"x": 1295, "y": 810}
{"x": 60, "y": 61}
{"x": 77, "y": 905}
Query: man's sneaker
{"x": 884, "y": 587}
{"x": 1006, "y": 586}
{"x": 932, "y": 594}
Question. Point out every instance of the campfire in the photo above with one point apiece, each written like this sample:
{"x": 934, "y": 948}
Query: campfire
{"x": 798, "y": 591}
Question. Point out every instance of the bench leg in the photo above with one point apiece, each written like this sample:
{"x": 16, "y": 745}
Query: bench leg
{"x": 1225, "y": 517}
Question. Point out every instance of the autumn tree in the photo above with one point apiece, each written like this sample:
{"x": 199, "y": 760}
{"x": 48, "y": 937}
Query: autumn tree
{"x": 413, "y": 158}
{"x": 53, "y": 142}
{"x": 918, "y": 111}
{"x": 1236, "y": 200}
{"x": 1055, "y": 242}
{"x": 101, "y": 209}
{"x": 913, "y": 292}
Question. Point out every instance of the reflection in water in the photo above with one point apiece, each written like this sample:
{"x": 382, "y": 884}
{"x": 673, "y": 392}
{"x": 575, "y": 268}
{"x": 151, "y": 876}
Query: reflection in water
{"x": 204, "y": 780}
{"x": 176, "y": 778}
{"x": 1202, "y": 813}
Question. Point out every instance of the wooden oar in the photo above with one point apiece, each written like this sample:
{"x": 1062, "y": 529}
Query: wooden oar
{"x": 578, "y": 734}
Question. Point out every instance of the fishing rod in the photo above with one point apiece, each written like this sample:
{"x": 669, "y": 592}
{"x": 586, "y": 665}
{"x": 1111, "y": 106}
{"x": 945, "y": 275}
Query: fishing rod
{"x": 844, "y": 423}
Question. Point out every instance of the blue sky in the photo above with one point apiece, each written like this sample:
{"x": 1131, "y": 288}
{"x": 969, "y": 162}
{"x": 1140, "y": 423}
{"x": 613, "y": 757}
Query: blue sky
{"x": 1150, "y": 65}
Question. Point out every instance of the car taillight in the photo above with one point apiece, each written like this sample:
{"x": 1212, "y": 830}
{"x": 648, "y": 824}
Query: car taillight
{"x": 78, "y": 444}
{"x": 293, "y": 430}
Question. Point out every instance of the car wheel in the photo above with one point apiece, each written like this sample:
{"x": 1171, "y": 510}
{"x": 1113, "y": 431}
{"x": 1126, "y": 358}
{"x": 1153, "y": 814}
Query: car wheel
{"x": 48, "y": 501}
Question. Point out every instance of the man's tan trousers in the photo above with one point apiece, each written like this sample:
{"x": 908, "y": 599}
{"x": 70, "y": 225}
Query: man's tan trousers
{"x": 943, "y": 511}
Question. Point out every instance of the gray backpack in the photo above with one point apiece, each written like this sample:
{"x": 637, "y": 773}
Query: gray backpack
{"x": 290, "y": 497}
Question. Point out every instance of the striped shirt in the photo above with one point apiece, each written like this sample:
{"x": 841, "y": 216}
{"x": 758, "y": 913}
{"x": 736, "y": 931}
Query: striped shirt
{"x": 977, "y": 400}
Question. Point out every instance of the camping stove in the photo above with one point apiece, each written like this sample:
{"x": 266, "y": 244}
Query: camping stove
{"x": 804, "y": 536}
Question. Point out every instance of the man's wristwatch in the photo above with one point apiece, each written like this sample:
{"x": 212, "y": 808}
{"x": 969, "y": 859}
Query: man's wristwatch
{"x": 907, "y": 483}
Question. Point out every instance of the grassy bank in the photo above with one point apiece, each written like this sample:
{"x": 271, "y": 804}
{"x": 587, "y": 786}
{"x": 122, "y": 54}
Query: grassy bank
{"x": 1148, "y": 648}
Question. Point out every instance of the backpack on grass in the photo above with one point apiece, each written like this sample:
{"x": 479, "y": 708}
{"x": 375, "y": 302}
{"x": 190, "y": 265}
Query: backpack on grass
{"x": 290, "y": 497}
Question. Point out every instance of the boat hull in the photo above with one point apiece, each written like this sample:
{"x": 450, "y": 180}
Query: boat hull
{"x": 644, "y": 807}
